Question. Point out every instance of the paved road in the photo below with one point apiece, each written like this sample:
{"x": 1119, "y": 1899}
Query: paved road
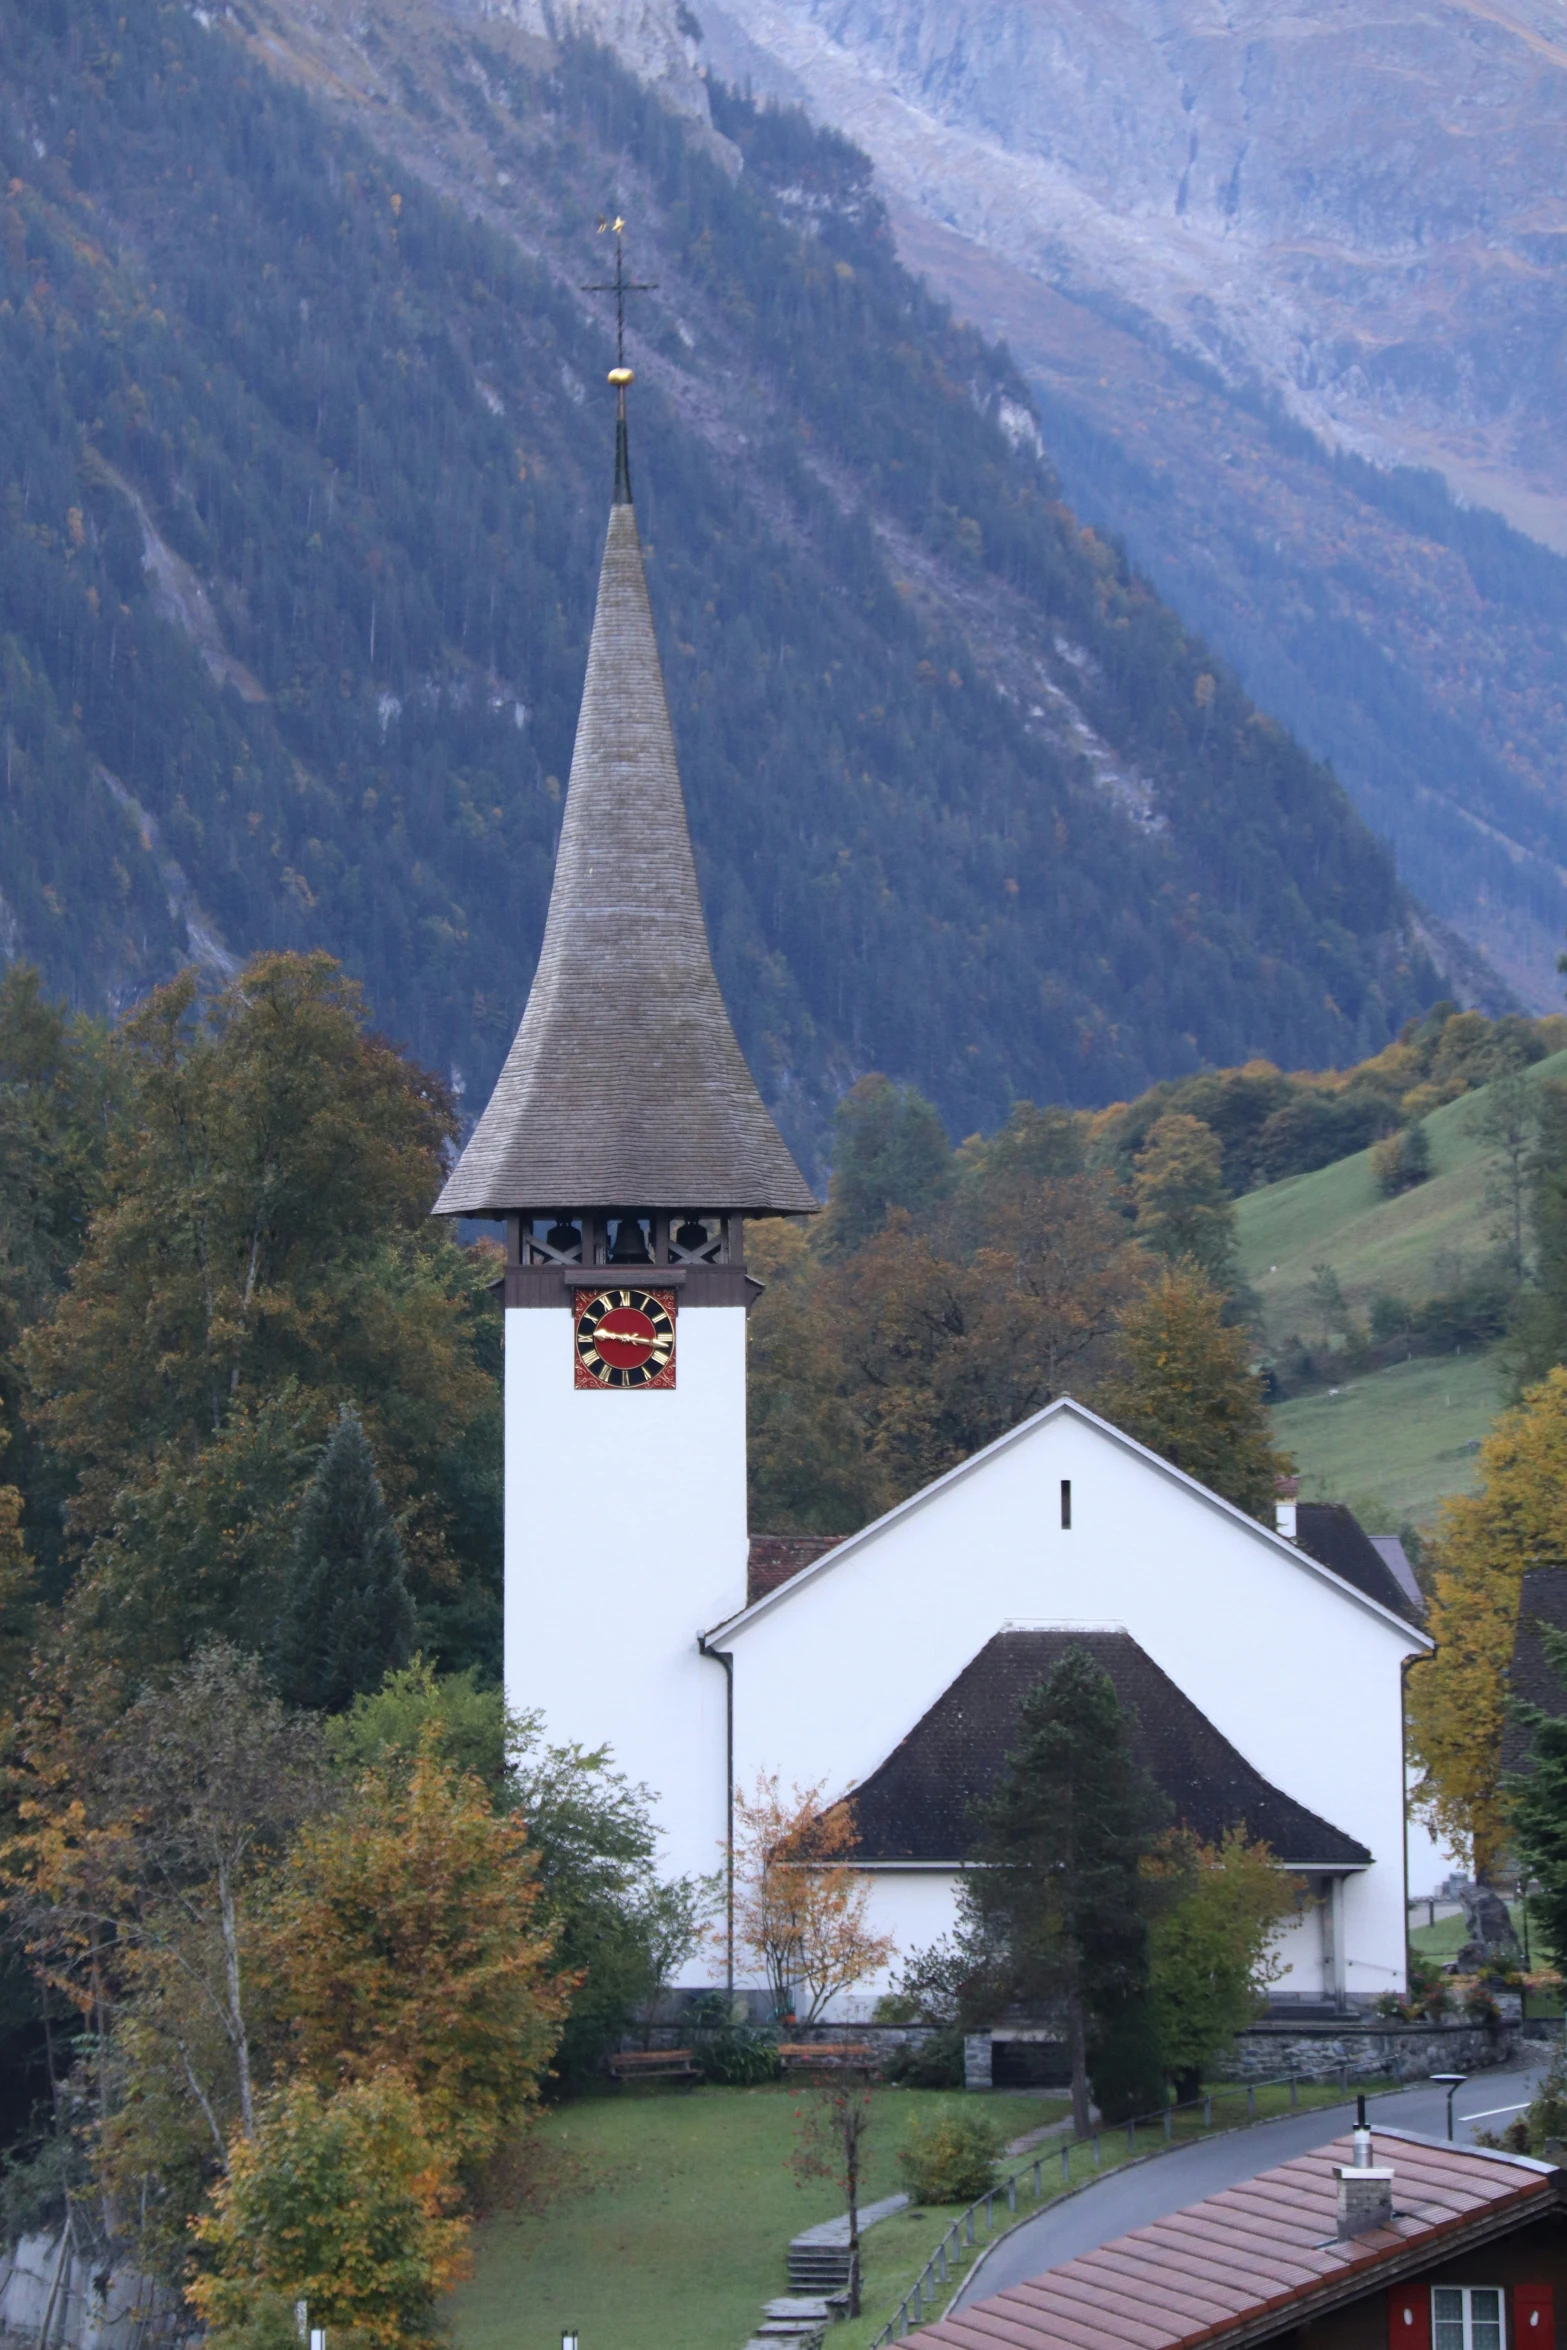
{"x": 1133, "y": 2197}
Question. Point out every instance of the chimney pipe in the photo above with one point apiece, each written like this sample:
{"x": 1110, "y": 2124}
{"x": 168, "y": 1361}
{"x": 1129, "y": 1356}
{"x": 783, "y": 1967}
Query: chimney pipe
{"x": 1365, "y": 2187}
{"x": 1286, "y": 1491}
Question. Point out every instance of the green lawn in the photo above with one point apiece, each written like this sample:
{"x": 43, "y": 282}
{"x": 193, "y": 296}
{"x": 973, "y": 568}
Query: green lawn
{"x": 1402, "y": 1437}
{"x": 671, "y": 2221}
{"x": 667, "y": 2216}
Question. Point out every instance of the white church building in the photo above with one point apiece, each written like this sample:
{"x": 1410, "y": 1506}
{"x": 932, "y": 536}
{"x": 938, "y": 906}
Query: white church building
{"x": 626, "y": 1147}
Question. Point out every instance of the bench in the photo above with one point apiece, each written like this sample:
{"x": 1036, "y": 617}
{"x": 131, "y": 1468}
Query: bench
{"x": 654, "y": 2064}
{"x": 827, "y": 2056}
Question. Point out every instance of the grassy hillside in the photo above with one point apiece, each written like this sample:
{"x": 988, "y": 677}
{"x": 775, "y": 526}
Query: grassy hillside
{"x": 1401, "y": 1438}
{"x": 1414, "y": 1246}
{"x": 301, "y": 496}
{"x": 1407, "y": 1433}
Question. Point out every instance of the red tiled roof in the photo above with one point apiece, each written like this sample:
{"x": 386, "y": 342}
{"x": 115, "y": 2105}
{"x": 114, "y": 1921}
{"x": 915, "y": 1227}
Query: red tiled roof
{"x": 775, "y": 1557}
{"x": 1225, "y": 2270}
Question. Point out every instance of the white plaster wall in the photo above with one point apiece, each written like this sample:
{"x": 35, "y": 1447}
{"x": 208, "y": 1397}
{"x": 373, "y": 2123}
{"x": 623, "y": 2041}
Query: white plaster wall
{"x": 1291, "y": 1667}
{"x": 918, "y": 1906}
{"x": 625, "y": 1536}
{"x": 1300, "y": 1945}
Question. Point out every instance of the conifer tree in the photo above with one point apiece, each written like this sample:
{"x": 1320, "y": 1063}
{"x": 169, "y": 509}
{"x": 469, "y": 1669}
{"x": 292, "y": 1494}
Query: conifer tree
{"x": 1058, "y": 1895}
{"x": 349, "y": 1619}
{"x": 1539, "y": 1804}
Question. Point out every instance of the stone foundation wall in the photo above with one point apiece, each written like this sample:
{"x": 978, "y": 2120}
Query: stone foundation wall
{"x": 1367, "y": 2051}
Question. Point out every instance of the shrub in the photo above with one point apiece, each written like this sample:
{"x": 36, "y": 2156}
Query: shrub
{"x": 1400, "y": 1161}
{"x": 950, "y": 2159}
{"x": 932, "y": 2063}
{"x": 733, "y": 2055}
{"x": 342, "y": 2201}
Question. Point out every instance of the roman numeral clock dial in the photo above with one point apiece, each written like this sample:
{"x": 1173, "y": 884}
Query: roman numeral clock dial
{"x": 625, "y": 1338}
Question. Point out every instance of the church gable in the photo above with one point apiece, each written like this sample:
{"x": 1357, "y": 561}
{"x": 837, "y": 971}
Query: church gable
{"x": 1122, "y": 1459}
{"x": 918, "y": 1807}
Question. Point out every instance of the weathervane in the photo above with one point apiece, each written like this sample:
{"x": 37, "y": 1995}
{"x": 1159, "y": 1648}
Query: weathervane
{"x": 620, "y": 286}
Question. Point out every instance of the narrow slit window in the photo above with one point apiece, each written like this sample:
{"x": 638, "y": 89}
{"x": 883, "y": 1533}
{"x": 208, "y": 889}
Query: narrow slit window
{"x": 1066, "y": 1504}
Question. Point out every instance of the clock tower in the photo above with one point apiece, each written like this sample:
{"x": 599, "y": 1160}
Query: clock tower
{"x": 625, "y": 1145}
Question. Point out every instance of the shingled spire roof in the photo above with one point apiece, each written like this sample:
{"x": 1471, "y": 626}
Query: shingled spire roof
{"x": 625, "y": 1086}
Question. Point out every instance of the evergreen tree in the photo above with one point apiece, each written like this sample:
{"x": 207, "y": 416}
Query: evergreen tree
{"x": 1540, "y": 1328}
{"x": 1058, "y": 1895}
{"x": 1187, "y": 1390}
{"x": 890, "y": 1150}
{"x": 349, "y": 1619}
{"x": 1538, "y": 1804}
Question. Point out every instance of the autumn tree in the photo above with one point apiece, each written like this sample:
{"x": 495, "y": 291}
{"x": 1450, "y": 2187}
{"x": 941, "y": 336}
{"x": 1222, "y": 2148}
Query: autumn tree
{"x": 621, "y": 1930}
{"x": 1212, "y": 1942}
{"x": 811, "y": 1469}
{"x": 134, "y": 1877}
{"x": 343, "y": 2196}
{"x": 1185, "y": 1388}
{"x": 406, "y": 1931}
{"x": 800, "y": 1905}
{"x": 1183, "y": 1209}
{"x": 347, "y": 1616}
{"x": 263, "y": 1254}
{"x": 1056, "y": 1893}
{"x": 1484, "y": 1542}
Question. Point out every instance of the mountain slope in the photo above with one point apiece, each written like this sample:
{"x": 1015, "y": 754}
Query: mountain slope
{"x": 304, "y": 491}
{"x": 1228, "y": 248}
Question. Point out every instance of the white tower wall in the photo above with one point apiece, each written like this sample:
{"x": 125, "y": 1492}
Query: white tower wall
{"x": 625, "y": 1538}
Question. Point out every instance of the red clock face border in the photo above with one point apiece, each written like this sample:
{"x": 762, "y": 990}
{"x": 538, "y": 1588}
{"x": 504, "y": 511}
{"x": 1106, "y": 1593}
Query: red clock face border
{"x": 623, "y": 1338}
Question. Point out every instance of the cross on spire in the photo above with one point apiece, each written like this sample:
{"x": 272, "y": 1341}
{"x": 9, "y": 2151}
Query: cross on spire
{"x": 620, "y": 286}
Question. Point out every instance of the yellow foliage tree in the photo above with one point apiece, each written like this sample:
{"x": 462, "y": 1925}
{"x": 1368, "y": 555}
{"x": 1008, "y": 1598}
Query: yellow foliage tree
{"x": 405, "y": 1934}
{"x": 1458, "y": 1697}
{"x": 341, "y": 2201}
{"x": 1186, "y": 1389}
{"x": 800, "y": 1903}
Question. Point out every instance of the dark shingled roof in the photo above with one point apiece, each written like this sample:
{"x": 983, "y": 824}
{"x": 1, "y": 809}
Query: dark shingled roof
{"x": 1541, "y": 1600}
{"x": 1334, "y": 1536}
{"x": 917, "y": 1805}
{"x": 625, "y": 1086}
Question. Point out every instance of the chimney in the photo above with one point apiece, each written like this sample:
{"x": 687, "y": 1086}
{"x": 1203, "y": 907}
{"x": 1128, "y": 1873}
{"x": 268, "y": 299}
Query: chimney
{"x": 1286, "y": 1489}
{"x": 1365, "y": 2189}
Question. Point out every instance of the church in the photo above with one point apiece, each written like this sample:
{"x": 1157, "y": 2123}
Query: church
{"x": 626, "y": 1149}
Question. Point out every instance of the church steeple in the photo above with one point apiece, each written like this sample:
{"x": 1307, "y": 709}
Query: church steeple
{"x": 625, "y": 1090}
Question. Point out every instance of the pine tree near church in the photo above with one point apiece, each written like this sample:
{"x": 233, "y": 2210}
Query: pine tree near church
{"x": 349, "y": 1618}
{"x": 1057, "y": 1901}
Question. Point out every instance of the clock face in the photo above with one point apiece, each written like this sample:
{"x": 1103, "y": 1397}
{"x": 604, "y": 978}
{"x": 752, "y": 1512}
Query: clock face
{"x": 626, "y": 1338}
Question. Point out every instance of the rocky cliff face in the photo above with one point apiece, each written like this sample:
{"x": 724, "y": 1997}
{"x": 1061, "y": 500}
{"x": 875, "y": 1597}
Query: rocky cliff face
{"x": 1363, "y": 206}
{"x": 1204, "y": 228}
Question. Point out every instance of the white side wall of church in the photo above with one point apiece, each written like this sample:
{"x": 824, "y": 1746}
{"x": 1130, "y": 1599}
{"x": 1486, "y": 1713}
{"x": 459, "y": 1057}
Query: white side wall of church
{"x": 625, "y": 1537}
{"x": 1298, "y": 1674}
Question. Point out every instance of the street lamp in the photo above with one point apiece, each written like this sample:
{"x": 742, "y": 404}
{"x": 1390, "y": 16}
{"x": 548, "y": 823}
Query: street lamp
{"x": 1452, "y": 2083}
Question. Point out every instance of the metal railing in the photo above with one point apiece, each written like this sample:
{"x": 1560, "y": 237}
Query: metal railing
{"x": 919, "y": 2303}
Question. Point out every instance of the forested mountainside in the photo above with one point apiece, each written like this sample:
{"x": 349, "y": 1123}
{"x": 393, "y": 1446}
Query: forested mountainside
{"x": 305, "y": 473}
{"x": 1237, "y": 254}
